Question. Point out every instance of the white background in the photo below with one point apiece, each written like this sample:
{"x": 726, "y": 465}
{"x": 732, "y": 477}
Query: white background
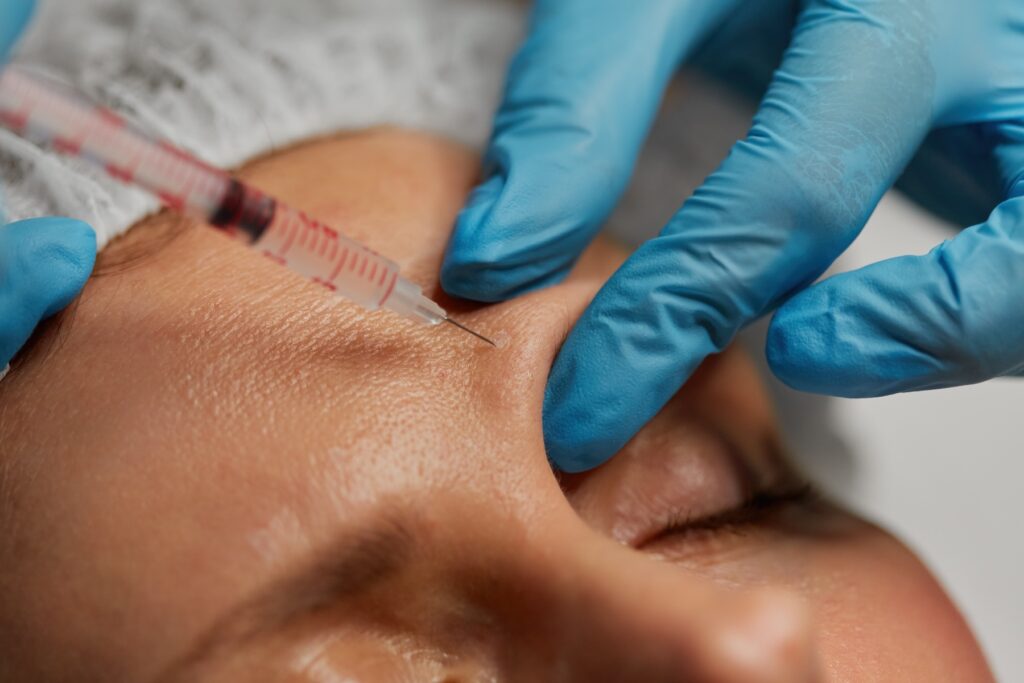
{"x": 940, "y": 469}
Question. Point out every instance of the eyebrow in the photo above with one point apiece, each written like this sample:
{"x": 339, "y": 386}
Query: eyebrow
{"x": 339, "y": 571}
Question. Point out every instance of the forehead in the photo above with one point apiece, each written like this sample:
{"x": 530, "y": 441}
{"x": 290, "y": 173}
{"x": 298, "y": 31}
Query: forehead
{"x": 214, "y": 419}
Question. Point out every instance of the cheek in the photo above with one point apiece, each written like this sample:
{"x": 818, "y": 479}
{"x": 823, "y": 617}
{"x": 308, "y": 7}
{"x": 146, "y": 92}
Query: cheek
{"x": 876, "y": 609}
{"x": 880, "y": 612}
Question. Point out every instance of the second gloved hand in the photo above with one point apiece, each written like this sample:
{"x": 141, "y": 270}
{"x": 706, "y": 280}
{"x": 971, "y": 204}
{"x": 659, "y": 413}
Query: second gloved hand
{"x": 860, "y": 86}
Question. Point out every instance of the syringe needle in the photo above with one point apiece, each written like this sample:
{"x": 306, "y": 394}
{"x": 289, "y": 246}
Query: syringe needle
{"x": 466, "y": 329}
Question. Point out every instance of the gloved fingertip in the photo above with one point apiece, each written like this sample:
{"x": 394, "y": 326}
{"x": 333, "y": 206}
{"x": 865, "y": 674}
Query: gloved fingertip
{"x": 817, "y": 345}
{"x": 570, "y": 443}
{"x": 471, "y": 253}
{"x": 565, "y": 460}
{"x": 795, "y": 348}
{"x": 785, "y": 351}
{"x": 494, "y": 283}
{"x": 563, "y": 453}
{"x": 473, "y": 280}
{"x": 484, "y": 260}
{"x": 72, "y": 258}
{"x": 49, "y": 260}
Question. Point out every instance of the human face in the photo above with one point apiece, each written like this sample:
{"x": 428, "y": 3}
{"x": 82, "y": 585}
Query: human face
{"x": 215, "y": 472}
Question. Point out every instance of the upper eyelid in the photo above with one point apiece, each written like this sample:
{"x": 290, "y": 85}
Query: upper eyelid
{"x": 759, "y": 504}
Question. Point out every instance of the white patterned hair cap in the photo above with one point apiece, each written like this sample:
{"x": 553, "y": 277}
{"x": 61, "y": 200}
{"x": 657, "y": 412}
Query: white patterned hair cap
{"x": 232, "y": 79}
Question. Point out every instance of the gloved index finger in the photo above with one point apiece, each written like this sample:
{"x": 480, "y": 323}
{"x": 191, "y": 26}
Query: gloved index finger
{"x": 579, "y": 101}
{"x": 833, "y": 132}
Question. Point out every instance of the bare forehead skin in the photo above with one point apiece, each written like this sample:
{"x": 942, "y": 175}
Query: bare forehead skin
{"x": 205, "y": 416}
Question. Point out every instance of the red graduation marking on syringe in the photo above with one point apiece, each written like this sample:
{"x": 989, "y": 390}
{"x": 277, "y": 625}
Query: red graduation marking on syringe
{"x": 171, "y": 199}
{"x": 68, "y": 145}
{"x": 339, "y": 263}
{"x": 111, "y": 118}
{"x": 35, "y": 110}
{"x": 325, "y": 243}
{"x": 16, "y": 121}
{"x": 73, "y": 142}
{"x": 127, "y": 172}
{"x": 391, "y": 288}
{"x": 274, "y": 257}
{"x": 324, "y": 283}
{"x": 314, "y": 237}
{"x": 291, "y": 235}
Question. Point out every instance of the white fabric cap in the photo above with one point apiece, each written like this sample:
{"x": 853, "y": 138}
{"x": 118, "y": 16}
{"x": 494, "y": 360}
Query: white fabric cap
{"x": 232, "y": 79}
{"x": 229, "y": 80}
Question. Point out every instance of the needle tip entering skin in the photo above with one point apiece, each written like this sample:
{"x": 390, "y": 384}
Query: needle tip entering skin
{"x": 466, "y": 329}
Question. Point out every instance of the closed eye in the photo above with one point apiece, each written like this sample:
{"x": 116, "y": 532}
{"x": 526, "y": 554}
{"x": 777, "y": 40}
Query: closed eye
{"x": 753, "y": 510}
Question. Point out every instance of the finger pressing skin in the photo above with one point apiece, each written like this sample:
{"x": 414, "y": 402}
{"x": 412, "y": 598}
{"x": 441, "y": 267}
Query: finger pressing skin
{"x": 580, "y": 98}
{"x": 833, "y": 132}
{"x": 44, "y": 263}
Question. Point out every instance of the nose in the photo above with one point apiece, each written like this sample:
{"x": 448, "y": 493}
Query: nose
{"x": 623, "y": 612}
{"x": 576, "y": 606}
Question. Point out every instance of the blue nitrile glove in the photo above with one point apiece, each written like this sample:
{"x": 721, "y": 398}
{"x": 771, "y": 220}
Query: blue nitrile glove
{"x": 860, "y": 86}
{"x": 43, "y": 262}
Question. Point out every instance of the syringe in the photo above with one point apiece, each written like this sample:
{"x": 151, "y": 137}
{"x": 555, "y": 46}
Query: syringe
{"x": 33, "y": 109}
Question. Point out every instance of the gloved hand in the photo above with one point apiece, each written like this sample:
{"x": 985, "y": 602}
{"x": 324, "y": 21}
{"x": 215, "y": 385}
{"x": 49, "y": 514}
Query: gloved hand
{"x": 860, "y": 86}
{"x": 43, "y": 262}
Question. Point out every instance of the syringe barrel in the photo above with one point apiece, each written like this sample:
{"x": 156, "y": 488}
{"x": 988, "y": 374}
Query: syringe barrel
{"x": 328, "y": 258}
{"x": 289, "y": 237}
{"x": 320, "y": 253}
{"x": 72, "y": 125}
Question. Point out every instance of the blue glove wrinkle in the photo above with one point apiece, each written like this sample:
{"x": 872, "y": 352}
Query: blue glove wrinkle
{"x": 860, "y": 86}
{"x": 487, "y": 262}
{"x": 44, "y": 263}
{"x": 643, "y": 336}
{"x": 1009, "y": 153}
{"x": 827, "y": 142}
{"x": 867, "y": 333}
{"x": 581, "y": 95}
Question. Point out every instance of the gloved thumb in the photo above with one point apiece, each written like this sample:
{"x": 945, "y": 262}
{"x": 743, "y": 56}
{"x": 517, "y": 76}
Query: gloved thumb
{"x": 44, "y": 263}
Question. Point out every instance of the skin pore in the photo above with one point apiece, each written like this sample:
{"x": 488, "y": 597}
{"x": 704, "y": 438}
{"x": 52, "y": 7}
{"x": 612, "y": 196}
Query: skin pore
{"x": 214, "y": 471}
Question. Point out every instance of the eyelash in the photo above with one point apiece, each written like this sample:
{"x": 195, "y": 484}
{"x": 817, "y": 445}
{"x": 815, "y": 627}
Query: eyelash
{"x": 738, "y": 518}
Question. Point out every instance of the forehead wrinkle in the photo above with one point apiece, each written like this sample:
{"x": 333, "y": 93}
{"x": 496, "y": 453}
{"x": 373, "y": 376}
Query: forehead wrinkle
{"x": 343, "y": 569}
